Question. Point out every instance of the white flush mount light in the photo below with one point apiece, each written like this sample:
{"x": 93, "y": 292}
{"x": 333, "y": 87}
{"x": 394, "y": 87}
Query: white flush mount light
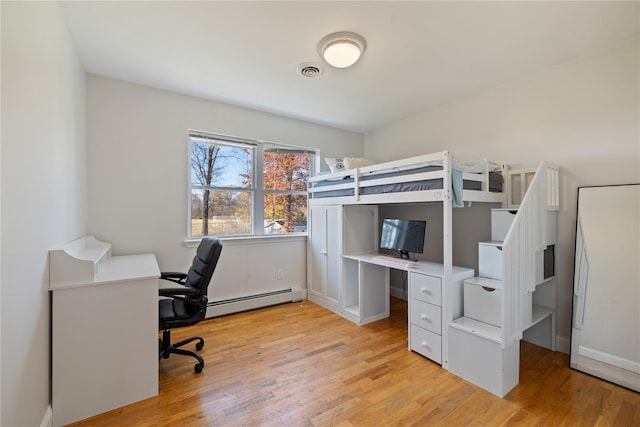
{"x": 342, "y": 49}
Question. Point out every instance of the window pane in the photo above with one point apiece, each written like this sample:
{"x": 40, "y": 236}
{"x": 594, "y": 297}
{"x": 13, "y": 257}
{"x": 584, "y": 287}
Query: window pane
{"x": 286, "y": 170}
{"x": 285, "y": 213}
{"x": 220, "y": 165}
{"x": 219, "y": 212}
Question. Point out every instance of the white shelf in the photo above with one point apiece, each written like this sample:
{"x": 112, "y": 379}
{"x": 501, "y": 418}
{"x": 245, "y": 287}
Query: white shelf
{"x": 353, "y": 309}
{"x": 481, "y": 329}
{"x": 88, "y": 248}
{"x": 78, "y": 262}
{"x": 548, "y": 279}
{"x": 539, "y": 313}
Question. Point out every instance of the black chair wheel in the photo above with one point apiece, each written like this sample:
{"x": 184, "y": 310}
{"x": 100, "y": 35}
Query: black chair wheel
{"x": 199, "y": 345}
{"x": 198, "y": 367}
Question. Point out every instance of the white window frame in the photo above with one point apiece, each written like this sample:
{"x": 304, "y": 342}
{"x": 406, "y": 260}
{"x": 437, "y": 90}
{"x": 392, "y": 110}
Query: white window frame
{"x": 257, "y": 190}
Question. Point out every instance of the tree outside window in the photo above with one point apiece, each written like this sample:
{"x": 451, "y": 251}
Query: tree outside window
{"x": 285, "y": 184}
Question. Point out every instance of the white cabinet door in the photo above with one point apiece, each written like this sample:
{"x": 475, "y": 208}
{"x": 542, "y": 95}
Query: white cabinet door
{"x": 317, "y": 251}
{"x": 334, "y": 253}
{"x": 325, "y": 255}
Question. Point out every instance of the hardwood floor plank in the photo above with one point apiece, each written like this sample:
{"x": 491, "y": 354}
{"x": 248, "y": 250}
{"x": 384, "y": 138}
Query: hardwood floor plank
{"x": 298, "y": 364}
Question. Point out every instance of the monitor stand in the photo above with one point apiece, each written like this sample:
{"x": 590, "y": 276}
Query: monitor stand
{"x": 405, "y": 255}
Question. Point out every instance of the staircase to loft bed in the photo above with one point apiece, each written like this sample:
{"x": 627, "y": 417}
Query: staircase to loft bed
{"x": 514, "y": 295}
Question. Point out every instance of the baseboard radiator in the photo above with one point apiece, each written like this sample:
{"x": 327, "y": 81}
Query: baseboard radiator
{"x": 250, "y": 302}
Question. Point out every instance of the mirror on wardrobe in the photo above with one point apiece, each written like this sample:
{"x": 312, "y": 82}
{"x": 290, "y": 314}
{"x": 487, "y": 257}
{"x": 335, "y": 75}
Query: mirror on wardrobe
{"x": 605, "y": 337}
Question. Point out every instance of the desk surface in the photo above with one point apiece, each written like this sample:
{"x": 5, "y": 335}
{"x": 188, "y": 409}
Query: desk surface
{"x": 422, "y": 267}
{"x": 117, "y": 269}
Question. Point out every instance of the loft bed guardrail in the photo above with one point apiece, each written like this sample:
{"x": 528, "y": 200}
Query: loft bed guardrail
{"x": 415, "y": 179}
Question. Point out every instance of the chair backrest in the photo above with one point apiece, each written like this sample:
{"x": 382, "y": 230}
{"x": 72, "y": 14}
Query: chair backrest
{"x": 204, "y": 264}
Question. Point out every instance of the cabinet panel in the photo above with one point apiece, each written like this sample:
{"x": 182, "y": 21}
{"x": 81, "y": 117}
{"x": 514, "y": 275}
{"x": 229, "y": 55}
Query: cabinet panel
{"x": 317, "y": 250}
{"x": 333, "y": 254}
{"x": 374, "y": 292}
{"x": 427, "y": 316}
{"x": 351, "y": 287}
{"x": 425, "y": 288}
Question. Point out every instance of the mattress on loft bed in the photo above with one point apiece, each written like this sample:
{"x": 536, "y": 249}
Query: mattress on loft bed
{"x": 495, "y": 184}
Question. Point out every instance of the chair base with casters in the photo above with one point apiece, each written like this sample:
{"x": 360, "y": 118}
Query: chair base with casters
{"x": 166, "y": 348}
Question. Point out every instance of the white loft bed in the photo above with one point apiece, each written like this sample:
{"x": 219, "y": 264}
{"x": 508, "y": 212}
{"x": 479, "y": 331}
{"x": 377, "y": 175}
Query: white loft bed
{"x": 453, "y": 180}
{"x": 415, "y": 179}
{"x": 407, "y": 181}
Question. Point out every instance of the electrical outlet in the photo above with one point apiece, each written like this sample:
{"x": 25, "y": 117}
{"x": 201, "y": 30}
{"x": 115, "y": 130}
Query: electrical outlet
{"x": 280, "y": 273}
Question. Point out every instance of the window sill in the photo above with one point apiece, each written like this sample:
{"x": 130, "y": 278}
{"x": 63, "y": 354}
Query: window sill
{"x": 195, "y": 241}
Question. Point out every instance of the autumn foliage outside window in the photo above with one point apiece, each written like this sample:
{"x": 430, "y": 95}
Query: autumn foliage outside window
{"x": 285, "y": 174}
{"x": 241, "y": 187}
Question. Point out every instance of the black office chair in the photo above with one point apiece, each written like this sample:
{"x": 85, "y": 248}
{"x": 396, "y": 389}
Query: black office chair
{"x": 187, "y": 305}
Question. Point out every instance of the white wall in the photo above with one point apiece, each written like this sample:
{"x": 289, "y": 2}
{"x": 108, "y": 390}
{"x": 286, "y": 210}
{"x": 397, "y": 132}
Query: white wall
{"x": 584, "y": 115}
{"x": 43, "y": 192}
{"x": 138, "y": 188}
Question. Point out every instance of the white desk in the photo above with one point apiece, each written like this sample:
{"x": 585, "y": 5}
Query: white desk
{"x": 422, "y": 267}
{"x": 104, "y": 330}
{"x": 432, "y": 302}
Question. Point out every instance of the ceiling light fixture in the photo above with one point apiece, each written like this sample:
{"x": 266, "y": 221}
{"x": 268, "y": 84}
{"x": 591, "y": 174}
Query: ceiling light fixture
{"x": 342, "y": 49}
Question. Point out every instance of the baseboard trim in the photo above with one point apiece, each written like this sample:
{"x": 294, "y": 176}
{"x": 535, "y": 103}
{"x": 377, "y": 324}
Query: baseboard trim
{"x": 250, "y": 302}
{"x": 47, "y": 420}
{"x": 609, "y": 359}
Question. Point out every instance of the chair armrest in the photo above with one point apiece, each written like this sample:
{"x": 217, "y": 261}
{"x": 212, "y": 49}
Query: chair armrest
{"x": 184, "y": 294}
{"x": 174, "y": 276}
{"x": 172, "y": 292}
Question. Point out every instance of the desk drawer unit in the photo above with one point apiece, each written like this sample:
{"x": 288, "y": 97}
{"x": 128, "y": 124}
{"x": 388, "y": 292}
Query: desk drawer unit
{"x": 425, "y": 315}
{"x": 425, "y": 288}
{"x": 426, "y": 343}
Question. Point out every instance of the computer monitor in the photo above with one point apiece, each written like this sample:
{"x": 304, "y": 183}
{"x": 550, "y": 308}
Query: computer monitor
{"x": 403, "y": 235}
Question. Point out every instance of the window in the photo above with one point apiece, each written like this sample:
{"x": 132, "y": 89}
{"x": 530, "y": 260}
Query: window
{"x": 243, "y": 187}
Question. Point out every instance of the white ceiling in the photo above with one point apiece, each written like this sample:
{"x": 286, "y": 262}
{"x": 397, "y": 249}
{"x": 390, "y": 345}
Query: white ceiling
{"x": 419, "y": 54}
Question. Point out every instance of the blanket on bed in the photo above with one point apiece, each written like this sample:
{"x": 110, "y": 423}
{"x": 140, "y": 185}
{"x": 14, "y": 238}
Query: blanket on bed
{"x": 456, "y": 183}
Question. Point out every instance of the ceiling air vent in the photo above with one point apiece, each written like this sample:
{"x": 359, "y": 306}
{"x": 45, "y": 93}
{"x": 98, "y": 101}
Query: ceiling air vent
{"x": 309, "y": 69}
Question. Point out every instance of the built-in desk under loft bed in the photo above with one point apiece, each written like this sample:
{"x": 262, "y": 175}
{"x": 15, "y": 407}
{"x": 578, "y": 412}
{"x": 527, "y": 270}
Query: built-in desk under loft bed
{"x": 452, "y": 310}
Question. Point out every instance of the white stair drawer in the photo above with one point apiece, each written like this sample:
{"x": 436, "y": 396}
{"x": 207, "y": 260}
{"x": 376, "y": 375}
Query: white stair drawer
{"x": 490, "y": 260}
{"x": 426, "y": 343}
{"x": 501, "y": 220}
{"x": 425, "y": 288}
{"x": 426, "y": 316}
{"x": 483, "y": 303}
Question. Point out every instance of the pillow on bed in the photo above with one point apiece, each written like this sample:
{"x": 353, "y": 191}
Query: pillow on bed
{"x": 335, "y": 165}
{"x": 356, "y": 162}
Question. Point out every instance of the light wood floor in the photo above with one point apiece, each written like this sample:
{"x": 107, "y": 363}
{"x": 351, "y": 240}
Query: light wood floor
{"x": 298, "y": 364}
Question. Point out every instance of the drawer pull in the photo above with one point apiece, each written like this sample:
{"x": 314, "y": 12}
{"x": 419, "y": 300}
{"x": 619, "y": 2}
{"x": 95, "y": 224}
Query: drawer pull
{"x": 425, "y": 318}
{"x": 425, "y": 290}
{"x": 424, "y": 344}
